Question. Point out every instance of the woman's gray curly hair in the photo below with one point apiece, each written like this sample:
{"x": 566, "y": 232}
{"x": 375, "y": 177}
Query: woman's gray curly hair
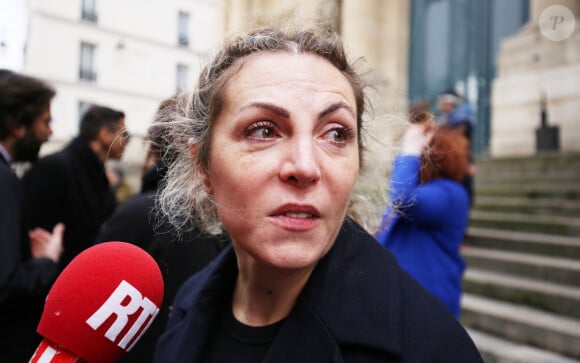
{"x": 182, "y": 198}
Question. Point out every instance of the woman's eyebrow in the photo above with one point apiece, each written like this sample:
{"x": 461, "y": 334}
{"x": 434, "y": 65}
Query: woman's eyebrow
{"x": 335, "y": 106}
{"x": 282, "y": 112}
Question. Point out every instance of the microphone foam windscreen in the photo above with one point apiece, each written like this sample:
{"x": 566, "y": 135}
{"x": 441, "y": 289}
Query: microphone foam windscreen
{"x": 103, "y": 301}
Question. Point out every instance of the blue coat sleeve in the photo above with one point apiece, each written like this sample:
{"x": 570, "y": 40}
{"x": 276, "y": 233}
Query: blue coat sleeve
{"x": 428, "y": 203}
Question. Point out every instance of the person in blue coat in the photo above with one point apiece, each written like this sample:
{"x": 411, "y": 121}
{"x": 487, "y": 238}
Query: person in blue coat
{"x": 429, "y": 213}
{"x": 269, "y": 149}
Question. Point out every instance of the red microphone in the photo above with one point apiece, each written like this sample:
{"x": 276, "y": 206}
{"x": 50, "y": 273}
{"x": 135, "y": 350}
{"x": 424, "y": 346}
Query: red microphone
{"x": 100, "y": 305}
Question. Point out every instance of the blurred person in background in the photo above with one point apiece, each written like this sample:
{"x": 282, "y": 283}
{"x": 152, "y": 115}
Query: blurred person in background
{"x": 134, "y": 220}
{"x": 71, "y": 185}
{"x": 27, "y": 149}
{"x": 425, "y": 224}
{"x": 121, "y": 188}
{"x": 458, "y": 115}
{"x": 28, "y": 261}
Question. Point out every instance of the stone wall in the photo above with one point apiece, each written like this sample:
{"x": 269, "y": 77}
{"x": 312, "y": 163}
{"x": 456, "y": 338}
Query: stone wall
{"x": 531, "y": 67}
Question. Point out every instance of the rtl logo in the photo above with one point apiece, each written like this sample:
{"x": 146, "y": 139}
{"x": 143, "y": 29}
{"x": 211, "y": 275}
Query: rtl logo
{"x": 123, "y": 304}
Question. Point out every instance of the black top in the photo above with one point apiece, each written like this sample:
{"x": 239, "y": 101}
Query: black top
{"x": 233, "y": 341}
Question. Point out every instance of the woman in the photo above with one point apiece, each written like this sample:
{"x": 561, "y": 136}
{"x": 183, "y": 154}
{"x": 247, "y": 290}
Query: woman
{"x": 430, "y": 213}
{"x": 274, "y": 150}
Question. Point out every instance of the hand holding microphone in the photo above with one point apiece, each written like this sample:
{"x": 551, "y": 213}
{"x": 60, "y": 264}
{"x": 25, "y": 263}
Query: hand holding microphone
{"x": 100, "y": 305}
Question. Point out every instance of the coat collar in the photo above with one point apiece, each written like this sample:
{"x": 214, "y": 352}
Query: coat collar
{"x": 351, "y": 300}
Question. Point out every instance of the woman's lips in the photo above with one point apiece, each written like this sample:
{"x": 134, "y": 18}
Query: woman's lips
{"x": 296, "y": 217}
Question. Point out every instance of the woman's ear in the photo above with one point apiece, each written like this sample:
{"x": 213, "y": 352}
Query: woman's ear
{"x": 200, "y": 169}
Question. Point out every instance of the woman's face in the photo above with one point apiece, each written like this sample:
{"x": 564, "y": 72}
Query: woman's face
{"x": 284, "y": 158}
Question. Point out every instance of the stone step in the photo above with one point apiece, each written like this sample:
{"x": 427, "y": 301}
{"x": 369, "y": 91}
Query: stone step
{"x": 546, "y": 296}
{"x": 495, "y": 172}
{"x": 545, "y": 163}
{"x": 536, "y": 178}
{"x": 568, "y": 190}
{"x": 522, "y": 324}
{"x": 495, "y": 349}
{"x": 542, "y": 223}
{"x": 508, "y": 177}
{"x": 533, "y": 243}
{"x": 559, "y": 270}
{"x": 555, "y": 206}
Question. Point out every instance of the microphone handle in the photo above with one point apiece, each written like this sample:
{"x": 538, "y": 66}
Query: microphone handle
{"x": 49, "y": 352}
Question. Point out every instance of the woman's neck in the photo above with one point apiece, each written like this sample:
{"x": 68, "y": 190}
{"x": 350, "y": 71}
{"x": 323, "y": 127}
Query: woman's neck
{"x": 264, "y": 295}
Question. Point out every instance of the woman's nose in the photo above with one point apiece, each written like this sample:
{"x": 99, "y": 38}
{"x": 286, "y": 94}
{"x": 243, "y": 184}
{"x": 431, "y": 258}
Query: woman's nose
{"x": 300, "y": 165}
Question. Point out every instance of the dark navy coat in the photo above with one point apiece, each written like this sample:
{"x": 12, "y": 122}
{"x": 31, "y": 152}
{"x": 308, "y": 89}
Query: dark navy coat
{"x": 358, "y": 306}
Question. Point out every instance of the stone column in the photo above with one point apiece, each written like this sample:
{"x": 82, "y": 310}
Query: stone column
{"x": 240, "y": 15}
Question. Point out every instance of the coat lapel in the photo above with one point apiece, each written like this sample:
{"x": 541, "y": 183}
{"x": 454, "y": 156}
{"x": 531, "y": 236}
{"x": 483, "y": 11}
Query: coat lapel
{"x": 304, "y": 338}
{"x": 198, "y": 311}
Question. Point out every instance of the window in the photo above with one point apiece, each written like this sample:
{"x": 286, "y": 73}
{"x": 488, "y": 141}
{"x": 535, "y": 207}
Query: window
{"x": 89, "y": 10}
{"x": 181, "y": 77}
{"x": 183, "y": 29}
{"x": 87, "y": 66}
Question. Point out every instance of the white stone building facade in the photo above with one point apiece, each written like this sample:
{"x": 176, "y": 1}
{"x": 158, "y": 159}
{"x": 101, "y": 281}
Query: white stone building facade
{"x": 128, "y": 55}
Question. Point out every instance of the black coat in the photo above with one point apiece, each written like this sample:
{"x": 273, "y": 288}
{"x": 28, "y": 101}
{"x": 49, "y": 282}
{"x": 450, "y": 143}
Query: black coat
{"x": 10, "y": 209}
{"x": 358, "y": 306}
{"x": 69, "y": 186}
{"x": 24, "y": 281}
{"x": 178, "y": 257}
{"x": 133, "y": 221}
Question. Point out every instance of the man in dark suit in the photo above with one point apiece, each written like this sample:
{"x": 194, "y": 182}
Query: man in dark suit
{"x": 26, "y": 270}
{"x": 71, "y": 185}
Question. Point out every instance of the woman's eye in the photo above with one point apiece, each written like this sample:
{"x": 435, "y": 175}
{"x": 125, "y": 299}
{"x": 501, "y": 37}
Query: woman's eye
{"x": 261, "y": 130}
{"x": 339, "y": 135}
